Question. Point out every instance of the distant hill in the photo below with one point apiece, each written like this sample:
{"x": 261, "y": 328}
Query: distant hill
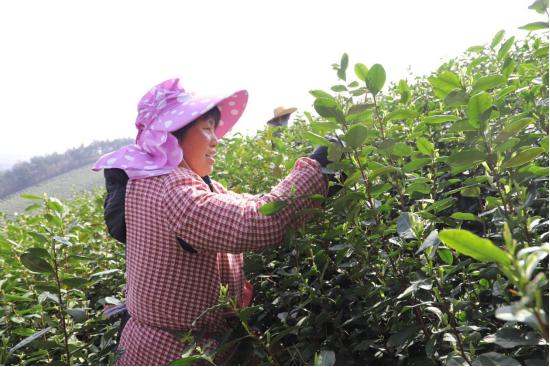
{"x": 63, "y": 187}
{"x": 41, "y": 168}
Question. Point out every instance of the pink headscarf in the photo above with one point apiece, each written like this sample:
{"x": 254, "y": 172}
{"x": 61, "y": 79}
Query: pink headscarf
{"x": 166, "y": 108}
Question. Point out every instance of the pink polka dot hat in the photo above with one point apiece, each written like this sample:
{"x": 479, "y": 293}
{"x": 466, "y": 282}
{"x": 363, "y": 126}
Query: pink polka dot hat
{"x": 165, "y": 108}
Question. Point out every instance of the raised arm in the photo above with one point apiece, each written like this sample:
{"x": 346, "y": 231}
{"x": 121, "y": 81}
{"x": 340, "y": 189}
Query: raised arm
{"x": 232, "y": 223}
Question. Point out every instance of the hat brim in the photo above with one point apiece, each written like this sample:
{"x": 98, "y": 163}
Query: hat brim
{"x": 231, "y": 109}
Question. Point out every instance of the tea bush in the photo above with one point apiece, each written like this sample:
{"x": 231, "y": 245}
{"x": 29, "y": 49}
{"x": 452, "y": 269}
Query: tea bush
{"x": 434, "y": 252}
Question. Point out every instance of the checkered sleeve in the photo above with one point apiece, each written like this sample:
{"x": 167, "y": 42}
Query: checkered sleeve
{"x": 232, "y": 223}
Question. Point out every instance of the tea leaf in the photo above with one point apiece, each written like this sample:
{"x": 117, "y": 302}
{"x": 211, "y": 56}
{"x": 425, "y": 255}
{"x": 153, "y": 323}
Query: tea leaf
{"x": 376, "y": 77}
{"x": 273, "y": 207}
{"x": 361, "y": 71}
{"x": 35, "y": 263}
{"x": 523, "y": 157}
{"x": 477, "y": 105}
{"x": 356, "y": 136}
{"x": 424, "y": 146}
{"x": 471, "y": 245}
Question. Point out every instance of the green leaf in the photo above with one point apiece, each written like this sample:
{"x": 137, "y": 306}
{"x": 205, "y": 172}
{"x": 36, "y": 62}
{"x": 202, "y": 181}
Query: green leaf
{"x": 439, "y": 119}
{"x": 339, "y": 88}
{"x": 535, "y": 26}
{"x": 335, "y": 152}
{"x": 360, "y": 112}
{"x": 495, "y": 359}
{"x": 419, "y": 187}
{"x": 74, "y": 282}
{"x": 320, "y": 94}
{"x": 508, "y": 144}
{"x": 273, "y": 207}
{"x": 376, "y": 77}
{"x": 477, "y": 105}
{"x": 356, "y": 136}
{"x": 466, "y": 157}
{"x": 444, "y": 83}
{"x": 402, "y": 150}
{"x": 464, "y": 216}
{"x": 471, "y": 192}
{"x": 39, "y": 252}
{"x": 415, "y": 164}
{"x": 361, "y": 71}
{"x": 343, "y": 66}
{"x": 503, "y": 51}
{"x": 31, "y": 338}
{"x": 78, "y": 314}
{"x": 488, "y": 82}
{"x": 446, "y": 256}
{"x": 55, "y": 205}
{"x": 35, "y": 263}
{"x": 471, "y": 245}
{"x": 17, "y": 298}
{"x": 401, "y": 115}
{"x": 476, "y": 49}
{"x": 523, "y": 157}
{"x": 30, "y": 197}
{"x": 497, "y": 38}
{"x": 327, "y": 107}
{"x": 316, "y": 139}
{"x": 456, "y": 98}
{"x": 424, "y": 146}
{"x": 379, "y": 189}
{"x": 385, "y": 170}
{"x": 540, "y": 6}
{"x": 544, "y": 144}
{"x": 440, "y": 205}
{"x": 187, "y": 361}
{"x": 514, "y": 128}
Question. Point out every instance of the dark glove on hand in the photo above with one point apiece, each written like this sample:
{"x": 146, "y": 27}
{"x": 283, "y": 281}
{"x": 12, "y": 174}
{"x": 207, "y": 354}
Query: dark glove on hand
{"x": 321, "y": 155}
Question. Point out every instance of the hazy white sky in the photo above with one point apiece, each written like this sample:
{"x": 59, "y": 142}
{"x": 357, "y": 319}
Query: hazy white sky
{"x": 73, "y": 71}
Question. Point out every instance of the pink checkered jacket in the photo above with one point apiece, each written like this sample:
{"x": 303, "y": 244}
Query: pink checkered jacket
{"x": 169, "y": 287}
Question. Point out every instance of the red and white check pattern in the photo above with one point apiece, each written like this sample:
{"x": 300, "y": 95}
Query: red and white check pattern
{"x": 169, "y": 287}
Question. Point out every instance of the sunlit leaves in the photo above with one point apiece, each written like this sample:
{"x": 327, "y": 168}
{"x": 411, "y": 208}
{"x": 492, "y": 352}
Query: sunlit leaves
{"x": 488, "y": 82}
{"x": 523, "y": 157}
{"x": 444, "y": 83}
{"x": 361, "y": 71}
{"x": 471, "y": 245}
{"x": 273, "y": 207}
{"x": 375, "y": 79}
{"x": 356, "y": 135}
{"x": 477, "y": 105}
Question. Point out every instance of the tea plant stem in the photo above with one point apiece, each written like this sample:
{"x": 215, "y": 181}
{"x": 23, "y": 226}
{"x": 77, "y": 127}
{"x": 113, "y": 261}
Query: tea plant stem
{"x": 496, "y": 177}
{"x": 367, "y": 181}
{"x": 376, "y": 111}
{"x": 61, "y": 305}
{"x": 452, "y": 322}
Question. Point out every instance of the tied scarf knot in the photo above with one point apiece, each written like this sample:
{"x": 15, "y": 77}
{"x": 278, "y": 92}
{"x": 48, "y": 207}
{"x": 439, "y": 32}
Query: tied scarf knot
{"x": 154, "y": 105}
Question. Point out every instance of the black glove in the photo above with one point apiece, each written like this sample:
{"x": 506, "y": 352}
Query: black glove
{"x": 320, "y": 154}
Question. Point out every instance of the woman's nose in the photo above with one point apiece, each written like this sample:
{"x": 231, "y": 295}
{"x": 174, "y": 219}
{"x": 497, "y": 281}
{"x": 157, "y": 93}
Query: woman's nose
{"x": 214, "y": 140}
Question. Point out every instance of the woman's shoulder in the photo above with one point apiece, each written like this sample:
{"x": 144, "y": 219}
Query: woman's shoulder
{"x": 183, "y": 176}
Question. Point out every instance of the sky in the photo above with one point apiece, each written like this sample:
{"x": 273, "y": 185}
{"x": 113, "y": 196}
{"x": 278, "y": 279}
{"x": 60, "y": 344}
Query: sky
{"x": 72, "y": 72}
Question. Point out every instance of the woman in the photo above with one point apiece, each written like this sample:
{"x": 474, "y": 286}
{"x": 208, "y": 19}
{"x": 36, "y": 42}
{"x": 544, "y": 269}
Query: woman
{"x": 185, "y": 233}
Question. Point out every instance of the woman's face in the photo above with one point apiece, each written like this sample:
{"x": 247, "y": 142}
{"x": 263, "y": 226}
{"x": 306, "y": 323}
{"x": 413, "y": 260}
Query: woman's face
{"x": 199, "y": 146}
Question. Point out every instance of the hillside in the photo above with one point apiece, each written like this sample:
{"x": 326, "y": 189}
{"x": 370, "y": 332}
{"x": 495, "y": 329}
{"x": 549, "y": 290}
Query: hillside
{"x": 63, "y": 186}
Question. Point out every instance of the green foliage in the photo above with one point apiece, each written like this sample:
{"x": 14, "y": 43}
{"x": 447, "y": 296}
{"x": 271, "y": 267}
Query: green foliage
{"x": 434, "y": 252}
